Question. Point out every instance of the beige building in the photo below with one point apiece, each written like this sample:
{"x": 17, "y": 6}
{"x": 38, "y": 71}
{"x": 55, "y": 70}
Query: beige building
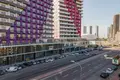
{"x": 110, "y": 31}
{"x": 116, "y": 24}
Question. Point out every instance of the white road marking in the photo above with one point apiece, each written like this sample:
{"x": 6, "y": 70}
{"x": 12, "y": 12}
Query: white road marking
{"x": 66, "y": 75}
{"x": 75, "y": 71}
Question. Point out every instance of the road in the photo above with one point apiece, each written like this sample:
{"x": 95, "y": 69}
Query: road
{"x": 89, "y": 66}
{"x": 91, "y": 69}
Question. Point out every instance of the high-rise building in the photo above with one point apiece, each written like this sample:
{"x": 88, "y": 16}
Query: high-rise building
{"x": 97, "y": 31}
{"x": 25, "y": 21}
{"x": 110, "y": 31}
{"x": 84, "y": 29}
{"x": 91, "y": 30}
{"x": 116, "y": 24}
{"x": 67, "y": 19}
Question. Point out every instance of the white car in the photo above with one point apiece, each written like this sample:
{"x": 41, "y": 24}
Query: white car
{"x": 109, "y": 70}
{"x": 50, "y": 60}
{"x": 12, "y": 69}
{"x": 76, "y": 53}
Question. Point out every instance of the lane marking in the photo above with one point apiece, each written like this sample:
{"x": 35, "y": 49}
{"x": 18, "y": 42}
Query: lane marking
{"x": 75, "y": 71}
{"x": 66, "y": 75}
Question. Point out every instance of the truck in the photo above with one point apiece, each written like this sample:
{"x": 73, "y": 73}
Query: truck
{"x": 116, "y": 60}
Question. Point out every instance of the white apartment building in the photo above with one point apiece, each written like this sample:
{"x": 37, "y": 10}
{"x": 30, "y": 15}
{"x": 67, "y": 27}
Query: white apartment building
{"x": 67, "y": 19}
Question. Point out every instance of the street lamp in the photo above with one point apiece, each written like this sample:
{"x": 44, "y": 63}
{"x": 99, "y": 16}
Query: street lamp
{"x": 78, "y": 65}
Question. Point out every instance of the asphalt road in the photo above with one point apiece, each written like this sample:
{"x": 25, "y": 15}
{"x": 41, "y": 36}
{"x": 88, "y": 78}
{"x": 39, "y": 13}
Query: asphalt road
{"x": 91, "y": 69}
{"x": 72, "y": 74}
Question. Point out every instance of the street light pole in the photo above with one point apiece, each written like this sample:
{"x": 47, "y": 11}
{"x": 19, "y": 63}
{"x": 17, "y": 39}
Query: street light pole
{"x": 78, "y": 65}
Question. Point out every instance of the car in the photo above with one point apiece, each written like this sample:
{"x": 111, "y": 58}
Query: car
{"x": 42, "y": 60}
{"x": 104, "y": 75}
{"x": 37, "y": 62}
{"x": 49, "y": 60}
{"x": 109, "y": 70}
{"x": 12, "y": 69}
{"x": 20, "y": 66}
{"x": 2, "y": 72}
{"x": 27, "y": 64}
{"x": 76, "y": 53}
{"x": 114, "y": 67}
{"x": 56, "y": 58}
{"x": 34, "y": 62}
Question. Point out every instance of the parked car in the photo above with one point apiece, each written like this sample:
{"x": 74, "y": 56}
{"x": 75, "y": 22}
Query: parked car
{"x": 2, "y": 72}
{"x": 76, "y": 53}
{"x": 104, "y": 75}
{"x": 12, "y": 69}
{"x": 42, "y": 60}
{"x": 34, "y": 62}
{"x": 27, "y": 64}
{"x": 109, "y": 70}
{"x": 37, "y": 62}
{"x": 20, "y": 66}
{"x": 49, "y": 60}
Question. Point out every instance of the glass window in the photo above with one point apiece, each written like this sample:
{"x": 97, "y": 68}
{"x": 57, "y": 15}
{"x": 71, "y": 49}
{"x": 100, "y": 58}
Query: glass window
{"x": 33, "y": 4}
{"x": 38, "y": 11}
{"x": 28, "y": 19}
{"x": 18, "y": 23}
{"x": 23, "y": 12}
{"x": 28, "y": 8}
{"x": 34, "y": 20}
{"x": 28, "y": 14}
{"x": 34, "y": 10}
{"x": 34, "y": 15}
{"x": 23, "y": 24}
{"x": 23, "y": 18}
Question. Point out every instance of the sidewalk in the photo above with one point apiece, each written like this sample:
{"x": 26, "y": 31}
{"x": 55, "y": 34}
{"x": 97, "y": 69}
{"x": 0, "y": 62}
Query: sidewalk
{"x": 114, "y": 76}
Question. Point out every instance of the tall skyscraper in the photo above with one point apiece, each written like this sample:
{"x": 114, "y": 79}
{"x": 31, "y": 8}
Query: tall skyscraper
{"x": 97, "y": 31}
{"x": 116, "y": 24}
{"x": 110, "y": 31}
{"x": 67, "y": 19}
{"x": 91, "y": 30}
{"x": 84, "y": 29}
{"x": 25, "y": 21}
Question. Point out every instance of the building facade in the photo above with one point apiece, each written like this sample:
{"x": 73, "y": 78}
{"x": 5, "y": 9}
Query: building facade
{"x": 25, "y": 21}
{"x": 67, "y": 19}
{"x": 116, "y": 24}
{"x": 91, "y": 31}
{"x": 21, "y": 53}
{"x": 84, "y": 29}
{"x": 97, "y": 31}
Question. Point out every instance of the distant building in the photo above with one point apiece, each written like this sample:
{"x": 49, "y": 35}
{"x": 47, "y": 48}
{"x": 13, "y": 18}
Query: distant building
{"x": 97, "y": 31}
{"x": 110, "y": 32}
{"x": 116, "y": 24}
{"x": 89, "y": 37}
{"x": 85, "y": 30}
{"x": 91, "y": 29}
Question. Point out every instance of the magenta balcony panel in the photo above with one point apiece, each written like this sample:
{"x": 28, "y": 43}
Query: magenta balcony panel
{"x": 74, "y": 14}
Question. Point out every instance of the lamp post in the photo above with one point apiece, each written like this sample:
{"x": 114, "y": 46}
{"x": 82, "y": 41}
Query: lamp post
{"x": 78, "y": 65}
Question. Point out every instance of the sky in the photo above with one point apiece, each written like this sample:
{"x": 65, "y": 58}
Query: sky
{"x": 100, "y": 12}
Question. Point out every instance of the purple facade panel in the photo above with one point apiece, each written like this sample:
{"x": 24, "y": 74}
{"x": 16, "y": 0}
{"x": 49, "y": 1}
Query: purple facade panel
{"x": 30, "y": 22}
